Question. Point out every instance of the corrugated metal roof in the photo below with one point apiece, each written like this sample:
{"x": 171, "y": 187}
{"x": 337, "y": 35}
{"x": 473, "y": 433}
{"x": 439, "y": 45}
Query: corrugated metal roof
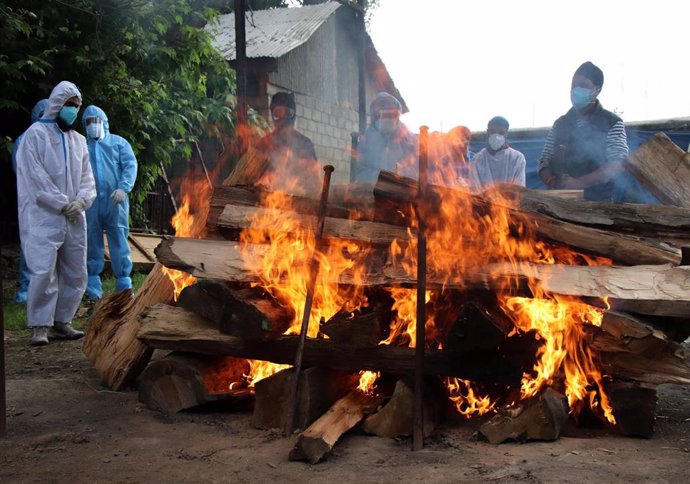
{"x": 271, "y": 33}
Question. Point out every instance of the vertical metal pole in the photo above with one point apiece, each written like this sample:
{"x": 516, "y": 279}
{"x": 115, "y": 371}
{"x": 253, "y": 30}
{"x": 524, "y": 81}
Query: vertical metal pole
{"x": 241, "y": 61}
{"x": 361, "y": 71}
{"x": 3, "y": 386}
{"x": 418, "y": 430}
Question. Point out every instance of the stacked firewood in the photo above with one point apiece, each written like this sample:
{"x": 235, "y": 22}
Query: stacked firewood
{"x": 227, "y": 317}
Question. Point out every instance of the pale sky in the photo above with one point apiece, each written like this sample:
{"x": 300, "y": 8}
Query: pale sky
{"x": 463, "y": 62}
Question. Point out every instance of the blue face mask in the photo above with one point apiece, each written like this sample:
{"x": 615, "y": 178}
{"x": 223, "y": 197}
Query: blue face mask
{"x": 68, "y": 114}
{"x": 580, "y": 96}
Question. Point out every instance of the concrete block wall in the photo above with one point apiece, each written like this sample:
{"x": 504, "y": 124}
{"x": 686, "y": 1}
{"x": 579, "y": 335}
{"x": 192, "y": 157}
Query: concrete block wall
{"x": 329, "y": 127}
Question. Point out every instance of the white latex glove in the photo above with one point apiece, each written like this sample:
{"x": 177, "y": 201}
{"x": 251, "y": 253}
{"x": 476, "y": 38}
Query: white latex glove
{"x": 73, "y": 209}
{"x": 118, "y": 196}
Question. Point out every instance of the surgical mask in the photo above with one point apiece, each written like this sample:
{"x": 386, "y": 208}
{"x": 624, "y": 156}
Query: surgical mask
{"x": 580, "y": 96}
{"x": 496, "y": 141}
{"x": 69, "y": 114}
{"x": 387, "y": 125}
{"x": 95, "y": 131}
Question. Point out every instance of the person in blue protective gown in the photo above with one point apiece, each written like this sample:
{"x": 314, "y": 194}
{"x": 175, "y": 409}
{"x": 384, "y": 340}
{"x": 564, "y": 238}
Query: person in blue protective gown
{"x": 114, "y": 168}
{"x": 23, "y": 286}
{"x": 54, "y": 187}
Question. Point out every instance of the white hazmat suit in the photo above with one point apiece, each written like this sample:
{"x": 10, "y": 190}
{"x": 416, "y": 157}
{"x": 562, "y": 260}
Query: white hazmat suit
{"x": 53, "y": 170}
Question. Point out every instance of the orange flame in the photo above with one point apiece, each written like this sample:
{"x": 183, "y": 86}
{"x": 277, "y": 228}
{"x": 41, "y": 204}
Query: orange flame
{"x": 367, "y": 381}
{"x": 464, "y": 396}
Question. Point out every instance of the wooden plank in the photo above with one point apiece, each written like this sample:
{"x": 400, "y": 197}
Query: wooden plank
{"x": 173, "y": 328}
{"x": 378, "y": 234}
{"x": 650, "y": 289}
{"x": 663, "y": 168}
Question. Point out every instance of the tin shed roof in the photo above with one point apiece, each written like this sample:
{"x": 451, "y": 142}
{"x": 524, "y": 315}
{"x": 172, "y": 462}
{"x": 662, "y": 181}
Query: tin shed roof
{"x": 271, "y": 33}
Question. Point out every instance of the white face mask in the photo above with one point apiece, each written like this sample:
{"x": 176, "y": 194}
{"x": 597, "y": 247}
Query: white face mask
{"x": 496, "y": 141}
{"x": 387, "y": 125}
{"x": 95, "y": 131}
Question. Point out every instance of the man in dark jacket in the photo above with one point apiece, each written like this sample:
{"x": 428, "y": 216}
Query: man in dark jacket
{"x": 586, "y": 147}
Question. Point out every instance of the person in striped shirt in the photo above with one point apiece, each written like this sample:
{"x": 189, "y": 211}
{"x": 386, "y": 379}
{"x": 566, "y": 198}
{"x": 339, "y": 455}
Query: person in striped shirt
{"x": 586, "y": 147}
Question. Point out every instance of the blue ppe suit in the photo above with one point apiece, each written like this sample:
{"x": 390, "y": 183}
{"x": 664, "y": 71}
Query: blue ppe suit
{"x": 114, "y": 166}
{"x": 23, "y": 289}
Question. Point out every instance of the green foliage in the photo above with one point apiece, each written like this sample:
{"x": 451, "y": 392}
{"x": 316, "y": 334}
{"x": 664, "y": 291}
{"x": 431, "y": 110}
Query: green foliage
{"x": 149, "y": 64}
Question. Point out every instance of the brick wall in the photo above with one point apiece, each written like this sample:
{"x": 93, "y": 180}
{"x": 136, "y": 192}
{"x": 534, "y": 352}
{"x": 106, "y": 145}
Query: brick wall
{"x": 329, "y": 127}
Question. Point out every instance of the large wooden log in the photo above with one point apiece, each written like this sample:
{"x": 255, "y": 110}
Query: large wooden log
{"x": 318, "y": 440}
{"x": 180, "y": 381}
{"x": 374, "y": 233}
{"x": 172, "y": 328}
{"x": 641, "y": 219}
{"x": 663, "y": 168}
{"x": 657, "y": 289}
{"x": 623, "y": 248}
{"x": 111, "y": 342}
{"x": 247, "y": 312}
{"x": 633, "y": 350}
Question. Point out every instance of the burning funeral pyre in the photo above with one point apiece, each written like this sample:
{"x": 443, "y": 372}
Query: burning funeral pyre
{"x": 539, "y": 307}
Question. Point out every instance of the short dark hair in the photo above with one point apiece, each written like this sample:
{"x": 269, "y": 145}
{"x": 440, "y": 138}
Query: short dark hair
{"x": 500, "y": 121}
{"x": 283, "y": 98}
{"x": 591, "y": 72}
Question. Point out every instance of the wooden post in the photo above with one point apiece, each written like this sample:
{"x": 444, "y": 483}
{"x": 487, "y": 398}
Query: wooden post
{"x": 418, "y": 430}
{"x": 361, "y": 71}
{"x": 241, "y": 61}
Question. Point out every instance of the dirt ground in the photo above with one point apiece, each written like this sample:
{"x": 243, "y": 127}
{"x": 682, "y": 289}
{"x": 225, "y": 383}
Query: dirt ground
{"x": 64, "y": 426}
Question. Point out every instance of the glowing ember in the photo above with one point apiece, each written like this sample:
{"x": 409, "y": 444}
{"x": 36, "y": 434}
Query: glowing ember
{"x": 367, "y": 381}
{"x": 464, "y": 397}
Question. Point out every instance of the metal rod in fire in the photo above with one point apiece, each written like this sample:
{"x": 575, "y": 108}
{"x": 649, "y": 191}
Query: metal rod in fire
{"x": 418, "y": 428}
{"x": 313, "y": 272}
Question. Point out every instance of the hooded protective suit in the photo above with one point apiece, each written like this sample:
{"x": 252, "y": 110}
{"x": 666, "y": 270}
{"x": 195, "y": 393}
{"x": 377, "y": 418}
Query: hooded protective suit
{"x": 23, "y": 289}
{"x": 114, "y": 167}
{"x": 52, "y": 171}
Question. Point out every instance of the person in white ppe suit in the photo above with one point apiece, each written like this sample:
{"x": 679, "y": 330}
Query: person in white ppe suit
{"x": 55, "y": 186}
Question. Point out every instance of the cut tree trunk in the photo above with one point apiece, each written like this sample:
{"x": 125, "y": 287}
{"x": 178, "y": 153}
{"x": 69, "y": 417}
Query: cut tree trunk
{"x": 658, "y": 289}
{"x": 662, "y": 168}
{"x": 318, "y": 389}
{"x": 111, "y": 343}
{"x": 172, "y": 328}
{"x": 540, "y": 418}
{"x": 318, "y": 440}
{"x": 247, "y": 312}
{"x": 623, "y": 248}
{"x": 378, "y": 234}
{"x": 181, "y": 381}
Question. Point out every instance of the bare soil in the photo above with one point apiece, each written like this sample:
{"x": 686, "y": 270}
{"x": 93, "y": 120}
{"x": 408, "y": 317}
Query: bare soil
{"x": 64, "y": 426}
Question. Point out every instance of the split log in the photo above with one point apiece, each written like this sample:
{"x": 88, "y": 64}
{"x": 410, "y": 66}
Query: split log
{"x": 641, "y": 219}
{"x": 659, "y": 289}
{"x": 318, "y": 389}
{"x": 172, "y": 328}
{"x": 111, "y": 343}
{"x": 632, "y": 350}
{"x": 249, "y": 169}
{"x": 318, "y": 440}
{"x": 663, "y": 168}
{"x": 377, "y": 234}
{"x": 541, "y": 418}
{"x": 181, "y": 381}
{"x": 396, "y": 418}
{"x": 623, "y": 248}
{"x": 634, "y": 407}
{"x": 247, "y": 312}
{"x": 364, "y": 328}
